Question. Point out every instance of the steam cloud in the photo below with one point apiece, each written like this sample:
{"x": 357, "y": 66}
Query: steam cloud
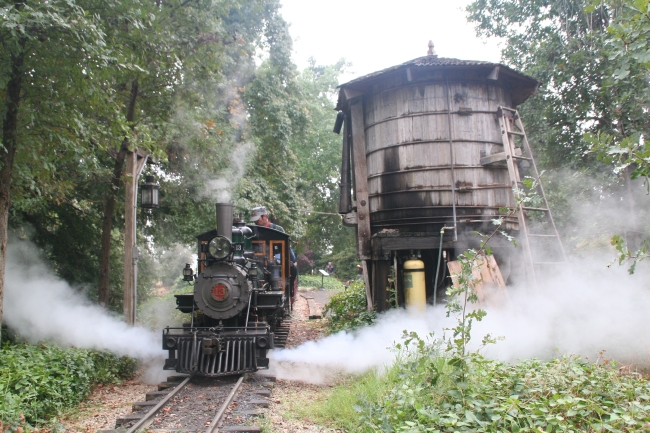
{"x": 40, "y": 306}
{"x": 220, "y": 187}
{"x": 583, "y": 310}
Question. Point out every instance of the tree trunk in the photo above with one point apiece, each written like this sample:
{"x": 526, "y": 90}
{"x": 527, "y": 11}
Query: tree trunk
{"x": 109, "y": 207}
{"x": 107, "y": 227}
{"x": 632, "y": 236}
{"x": 9, "y": 140}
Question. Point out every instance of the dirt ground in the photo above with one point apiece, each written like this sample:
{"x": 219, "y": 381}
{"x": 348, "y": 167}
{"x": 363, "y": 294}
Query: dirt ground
{"x": 107, "y": 403}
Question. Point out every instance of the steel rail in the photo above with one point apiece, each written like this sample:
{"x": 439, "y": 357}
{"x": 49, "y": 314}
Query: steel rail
{"x": 148, "y": 418}
{"x": 213, "y": 424}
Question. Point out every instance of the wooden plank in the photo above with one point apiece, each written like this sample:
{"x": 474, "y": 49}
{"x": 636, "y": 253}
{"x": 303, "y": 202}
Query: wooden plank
{"x": 130, "y": 195}
{"x": 495, "y": 159}
{"x": 366, "y": 280}
{"x": 380, "y": 272}
{"x": 314, "y": 309}
{"x": 361, "y": 181}
{"x": 488, "y": 284}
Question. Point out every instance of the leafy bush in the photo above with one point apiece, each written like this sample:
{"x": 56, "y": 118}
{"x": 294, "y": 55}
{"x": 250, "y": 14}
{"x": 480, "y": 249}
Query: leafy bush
{"x": 39, "y": 381}
{"x": 423, "y": 392}
{"x": 330, "y": 283}
{"x": 348, "y": 310}
{"x": 437, "y": 386}
{"x": 564, "y": 394}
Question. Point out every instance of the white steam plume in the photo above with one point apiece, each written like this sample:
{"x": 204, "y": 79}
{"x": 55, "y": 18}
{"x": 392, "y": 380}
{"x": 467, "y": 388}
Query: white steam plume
{"x": 585, "y": 309}
{"x": 38, "y": 305}
{"x": 220, "y": 187}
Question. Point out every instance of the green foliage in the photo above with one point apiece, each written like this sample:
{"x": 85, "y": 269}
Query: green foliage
{"x": 329, "y": 283}
{"x": 631, "y": 151}
{"x": 421, "y": 393}
{"x": 344, "y": 257}
{"x": 348, "y": 310}
{"x": 627, "y": 256}
{"x": 338, "y": 407}
{"x": 589, "y": 115}
{"x": 459, "y": 296}
{"x": 41, "y": 381}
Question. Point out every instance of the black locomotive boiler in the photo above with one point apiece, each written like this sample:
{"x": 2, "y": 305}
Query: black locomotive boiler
{"x": 242, "y": 292}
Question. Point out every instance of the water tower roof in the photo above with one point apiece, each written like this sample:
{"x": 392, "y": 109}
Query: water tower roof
{"x": 423, "y": 69}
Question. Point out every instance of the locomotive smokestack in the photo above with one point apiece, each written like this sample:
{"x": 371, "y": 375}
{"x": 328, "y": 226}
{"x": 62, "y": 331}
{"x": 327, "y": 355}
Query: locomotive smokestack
{"x": 224, "y": 220}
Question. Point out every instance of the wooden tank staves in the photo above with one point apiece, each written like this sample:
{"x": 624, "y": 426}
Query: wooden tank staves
{"x": 423, "y": 145}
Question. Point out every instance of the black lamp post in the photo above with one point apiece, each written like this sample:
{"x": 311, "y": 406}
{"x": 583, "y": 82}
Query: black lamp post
{"x": 149, "y": 194}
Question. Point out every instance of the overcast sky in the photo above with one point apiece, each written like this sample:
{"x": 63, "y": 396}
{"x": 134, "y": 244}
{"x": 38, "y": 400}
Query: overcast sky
{"x": 373, "y": 35}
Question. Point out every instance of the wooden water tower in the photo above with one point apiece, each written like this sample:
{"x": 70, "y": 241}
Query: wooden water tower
{"x": 423, "y": 149}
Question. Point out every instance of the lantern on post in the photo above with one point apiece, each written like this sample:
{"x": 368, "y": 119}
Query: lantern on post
{"x": 149, "y": 194}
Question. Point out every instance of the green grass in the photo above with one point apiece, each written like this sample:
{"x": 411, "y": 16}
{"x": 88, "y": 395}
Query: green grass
{"x": 329, "y": 283}
{"x": 338, "y": 407}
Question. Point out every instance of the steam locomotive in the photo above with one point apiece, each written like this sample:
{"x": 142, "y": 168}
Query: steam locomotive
{"x": 242, "y": 293}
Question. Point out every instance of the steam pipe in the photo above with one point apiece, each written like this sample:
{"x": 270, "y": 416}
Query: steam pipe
{"x": 345, "y": 199}
{"x": 435, "y": 282}
{"x": 224, "y": 220}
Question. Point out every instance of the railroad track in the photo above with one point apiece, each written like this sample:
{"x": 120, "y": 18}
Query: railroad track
{"x": 210, "y": 405}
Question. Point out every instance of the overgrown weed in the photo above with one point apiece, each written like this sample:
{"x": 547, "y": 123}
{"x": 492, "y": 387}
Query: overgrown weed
{"x": 348, "y": 310}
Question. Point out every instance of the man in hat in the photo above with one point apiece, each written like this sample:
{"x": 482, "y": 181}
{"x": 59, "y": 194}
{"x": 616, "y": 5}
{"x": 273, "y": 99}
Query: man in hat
{"x": 260, "y": 216}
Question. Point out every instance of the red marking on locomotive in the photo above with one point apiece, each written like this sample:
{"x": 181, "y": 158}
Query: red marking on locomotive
{"x": 219, "y": 292}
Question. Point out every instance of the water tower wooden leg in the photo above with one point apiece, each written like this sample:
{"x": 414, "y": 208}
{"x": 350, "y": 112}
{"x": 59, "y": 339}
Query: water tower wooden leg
{"x": 380, "y": 272}
{"x": 366, "y": 279}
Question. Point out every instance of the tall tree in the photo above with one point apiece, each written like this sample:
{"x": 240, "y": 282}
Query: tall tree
{"x": 277, "y": 115}
{"x": 164, "y": 68}
{"x": 565, "y": 44}
{"x": 319, "y": 164}
{"x": 48, "y": 48}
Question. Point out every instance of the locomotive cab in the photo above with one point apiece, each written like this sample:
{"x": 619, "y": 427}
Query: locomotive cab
{"x": 241, "y": 294}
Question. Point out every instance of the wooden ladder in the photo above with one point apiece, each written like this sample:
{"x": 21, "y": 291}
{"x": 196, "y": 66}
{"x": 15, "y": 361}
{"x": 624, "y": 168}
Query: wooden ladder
{"x": 541, "y": 246}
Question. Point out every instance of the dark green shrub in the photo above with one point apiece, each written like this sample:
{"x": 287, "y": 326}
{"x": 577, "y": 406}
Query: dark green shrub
{"x": 39, "y": 381}
{"x": 348, "y": 310}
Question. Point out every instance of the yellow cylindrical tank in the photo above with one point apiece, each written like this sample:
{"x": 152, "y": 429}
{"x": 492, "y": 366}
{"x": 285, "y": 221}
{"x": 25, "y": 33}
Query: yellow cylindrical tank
{"x": 414, "y": 284}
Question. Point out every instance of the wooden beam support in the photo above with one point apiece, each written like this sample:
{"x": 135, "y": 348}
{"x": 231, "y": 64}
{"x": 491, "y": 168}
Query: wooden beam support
{"x": 380, "y": 271}
{"x": 361, "y": 180}
{"x": 130, "y": 185}
{"x": 366, "y": 280}
{"x": 135, "y": 162}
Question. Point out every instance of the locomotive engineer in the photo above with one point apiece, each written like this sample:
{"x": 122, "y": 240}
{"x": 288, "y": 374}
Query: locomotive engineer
{"x": 260, "y": 216}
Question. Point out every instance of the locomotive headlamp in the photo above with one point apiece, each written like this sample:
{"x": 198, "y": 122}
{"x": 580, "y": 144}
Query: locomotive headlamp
{"x": 188, "y": 273}
{"x": 170, "y": 342}
{"x": 262, "y": 342}
{"x": 220, "y": 247}
{"x": 149, "y": 194}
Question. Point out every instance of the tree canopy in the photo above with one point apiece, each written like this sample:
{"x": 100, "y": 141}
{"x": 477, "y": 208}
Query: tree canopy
{"x": 590, "y": 57}
{"x": 206, "y": 88}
